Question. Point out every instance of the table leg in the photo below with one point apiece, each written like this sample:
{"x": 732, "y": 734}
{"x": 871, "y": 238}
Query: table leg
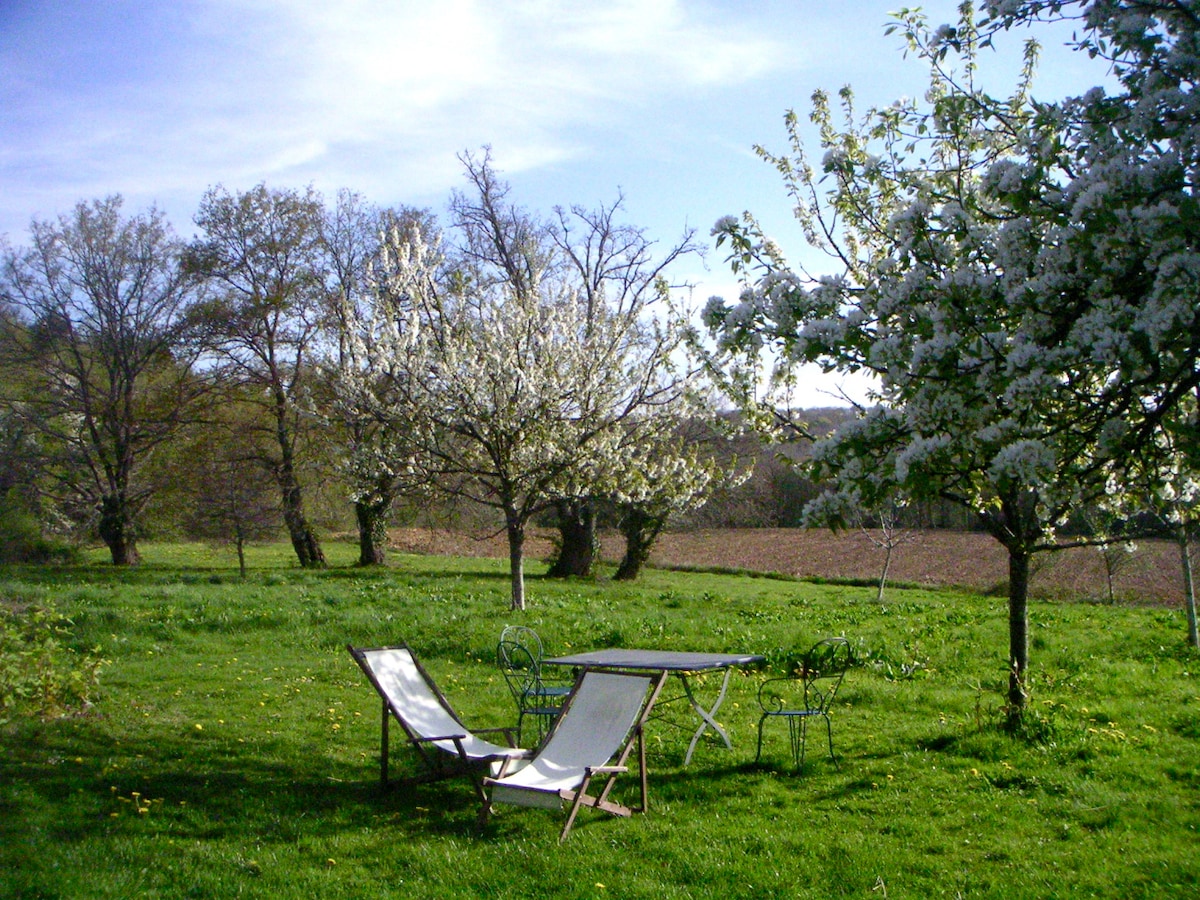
{"x": 707, "y": 715}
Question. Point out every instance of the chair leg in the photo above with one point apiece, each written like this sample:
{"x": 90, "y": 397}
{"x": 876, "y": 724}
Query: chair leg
{"x": 484, "y": 811}
{"x": 576, "y": 802}
{"x": 383, "y": 746}
{"x": 829, "y": 732}
{"x": 758, "y": 753}
{"x": 798, "y": 737}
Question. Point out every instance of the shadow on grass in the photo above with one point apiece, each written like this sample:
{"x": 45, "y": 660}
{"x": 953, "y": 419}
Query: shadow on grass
{"x": 53, "y": 789}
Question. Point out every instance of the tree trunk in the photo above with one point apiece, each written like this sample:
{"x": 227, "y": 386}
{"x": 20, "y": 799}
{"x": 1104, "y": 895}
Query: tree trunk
{"x": 883, "y": 576}
{"x": 116, "y": 530}
{"x": 577, "y": 544}
{"x": 516, "y": 559}
{"x": 1189, "y": 586}
{"x": 640, "y": 530}
{"x": 372, "y": 533}
{"x": 304, "y": 539}
{"x": 1018, "y": 633}
{"x": 239, "y": 539}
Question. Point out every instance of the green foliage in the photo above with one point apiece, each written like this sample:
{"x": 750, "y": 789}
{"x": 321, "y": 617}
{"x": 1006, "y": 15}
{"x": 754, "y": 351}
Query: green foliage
{"x": 21, "y": 539}
{"x": 40, "y": 675}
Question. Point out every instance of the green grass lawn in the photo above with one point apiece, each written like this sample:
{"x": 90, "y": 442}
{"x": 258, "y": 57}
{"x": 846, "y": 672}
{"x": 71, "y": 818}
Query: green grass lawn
{"x": 233, "y": 747}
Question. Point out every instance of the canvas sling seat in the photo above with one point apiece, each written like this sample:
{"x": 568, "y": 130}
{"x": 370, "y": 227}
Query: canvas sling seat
{"x": 444, "y": 744}
{"x": 591, "y": 740}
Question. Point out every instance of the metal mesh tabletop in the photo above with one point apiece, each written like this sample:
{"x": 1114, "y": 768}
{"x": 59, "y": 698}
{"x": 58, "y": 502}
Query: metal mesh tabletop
{"x": 654, "y": 660}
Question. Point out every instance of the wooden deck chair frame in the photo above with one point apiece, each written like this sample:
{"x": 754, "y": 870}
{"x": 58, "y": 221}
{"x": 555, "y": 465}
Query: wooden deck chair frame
{"x": 460, "y": 751}
{"x": 575, "y": 715}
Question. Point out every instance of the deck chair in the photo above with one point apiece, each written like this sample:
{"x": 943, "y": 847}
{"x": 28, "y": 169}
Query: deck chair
{"x": 805, "y": 694}
{"x": 593, "y": 736}
{"x": 444, "y": 744}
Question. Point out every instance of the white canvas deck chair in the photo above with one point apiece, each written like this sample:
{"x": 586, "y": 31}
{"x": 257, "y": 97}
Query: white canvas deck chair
{"x": 593, "y": 736}
{"x": 445, "y": 745}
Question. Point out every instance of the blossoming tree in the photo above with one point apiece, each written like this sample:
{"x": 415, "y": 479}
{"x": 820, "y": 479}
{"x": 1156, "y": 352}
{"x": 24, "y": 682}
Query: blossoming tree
{"x": 508, "y": 397}
{"x": 1122, "y": 261}
{"x": 500, "y": 383}
{"x": 375, "y": 457}
{"x": 977, "y": 402}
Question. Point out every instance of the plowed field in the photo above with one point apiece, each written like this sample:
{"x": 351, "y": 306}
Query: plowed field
{"x": 1152, "y": 574}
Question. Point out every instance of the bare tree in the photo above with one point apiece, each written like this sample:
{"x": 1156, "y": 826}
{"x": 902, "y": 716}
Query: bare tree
{"x": 103, "y": 300}
{"x": 888, "y": 536}
{"x": 234, "y": 503}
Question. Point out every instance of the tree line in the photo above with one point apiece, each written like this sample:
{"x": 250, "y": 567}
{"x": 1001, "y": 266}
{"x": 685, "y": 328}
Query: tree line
{"x": 514, "y": 362}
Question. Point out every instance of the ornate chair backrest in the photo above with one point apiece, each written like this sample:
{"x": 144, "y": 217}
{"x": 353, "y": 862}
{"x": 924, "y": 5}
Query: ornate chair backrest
{"x": 520, "y": 670}
{"x": 812, "y": 682}
{"x": 823, "y": 669}
{"x": 527, "y": 638}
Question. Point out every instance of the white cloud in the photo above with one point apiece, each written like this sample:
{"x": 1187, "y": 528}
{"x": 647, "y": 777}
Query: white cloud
{"x": 359, "y": 91}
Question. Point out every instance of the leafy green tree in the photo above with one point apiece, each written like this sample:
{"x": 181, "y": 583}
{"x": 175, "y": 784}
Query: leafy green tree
{"x": 261, "y": 252}
{"x": 103, "y": 303}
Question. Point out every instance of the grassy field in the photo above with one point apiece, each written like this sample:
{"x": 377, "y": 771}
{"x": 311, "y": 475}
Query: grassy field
{"x": 233, "y": 746}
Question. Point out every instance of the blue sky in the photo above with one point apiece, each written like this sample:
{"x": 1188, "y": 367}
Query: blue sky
{"x": 660, "y": 99}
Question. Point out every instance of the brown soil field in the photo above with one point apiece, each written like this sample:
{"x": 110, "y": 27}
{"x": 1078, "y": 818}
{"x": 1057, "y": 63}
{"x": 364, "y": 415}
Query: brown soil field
{"x": 1152, "y": 574}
